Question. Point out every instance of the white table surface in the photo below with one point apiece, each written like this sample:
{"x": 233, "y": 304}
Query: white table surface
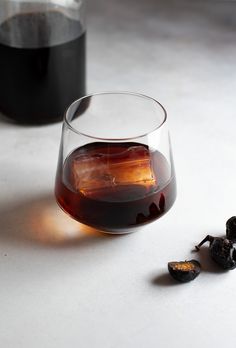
{"x": 61, "y": 286}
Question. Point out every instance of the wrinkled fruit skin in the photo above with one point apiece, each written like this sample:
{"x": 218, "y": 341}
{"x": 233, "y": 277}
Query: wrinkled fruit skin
{"x": 223, "y": 253}
{"x": 183, "y": 275}
{"x": 231, "y": 229}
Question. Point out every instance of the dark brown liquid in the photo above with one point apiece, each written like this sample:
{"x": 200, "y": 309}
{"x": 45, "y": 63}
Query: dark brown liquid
{"x": 39, "y": 83}
{"x": 107, "y": 187}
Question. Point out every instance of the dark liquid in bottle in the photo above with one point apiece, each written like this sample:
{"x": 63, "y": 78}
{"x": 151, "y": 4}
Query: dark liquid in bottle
{"x": 40, "y": 81}
{"x": 115, "y": 186}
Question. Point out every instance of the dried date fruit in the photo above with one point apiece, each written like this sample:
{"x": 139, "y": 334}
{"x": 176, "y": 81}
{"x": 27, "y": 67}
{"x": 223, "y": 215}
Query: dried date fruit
{"x": 221, "y": 250}
{"x": 184, "y": 271}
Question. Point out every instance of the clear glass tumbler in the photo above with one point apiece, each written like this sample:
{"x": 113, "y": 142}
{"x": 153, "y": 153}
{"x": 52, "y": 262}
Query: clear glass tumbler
{"x": 115, "y": 170}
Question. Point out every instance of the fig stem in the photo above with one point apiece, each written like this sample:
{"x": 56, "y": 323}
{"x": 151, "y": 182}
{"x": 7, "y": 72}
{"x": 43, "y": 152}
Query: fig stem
{"x": 208, "y": 238}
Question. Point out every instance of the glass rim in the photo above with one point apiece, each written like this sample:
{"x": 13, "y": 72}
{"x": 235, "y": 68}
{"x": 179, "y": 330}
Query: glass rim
{"x": 75, "y": 130}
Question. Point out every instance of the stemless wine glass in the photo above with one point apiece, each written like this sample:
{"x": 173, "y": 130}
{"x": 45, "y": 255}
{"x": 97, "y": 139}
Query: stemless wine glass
{"x": 115, "y": 170}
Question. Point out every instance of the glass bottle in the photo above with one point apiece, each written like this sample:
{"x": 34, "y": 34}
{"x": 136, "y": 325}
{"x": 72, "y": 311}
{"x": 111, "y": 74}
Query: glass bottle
{"x": 42, "y": 58}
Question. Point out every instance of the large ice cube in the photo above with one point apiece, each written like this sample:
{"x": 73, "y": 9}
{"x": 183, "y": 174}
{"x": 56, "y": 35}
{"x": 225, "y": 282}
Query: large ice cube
{"x": 131, "y": 166}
